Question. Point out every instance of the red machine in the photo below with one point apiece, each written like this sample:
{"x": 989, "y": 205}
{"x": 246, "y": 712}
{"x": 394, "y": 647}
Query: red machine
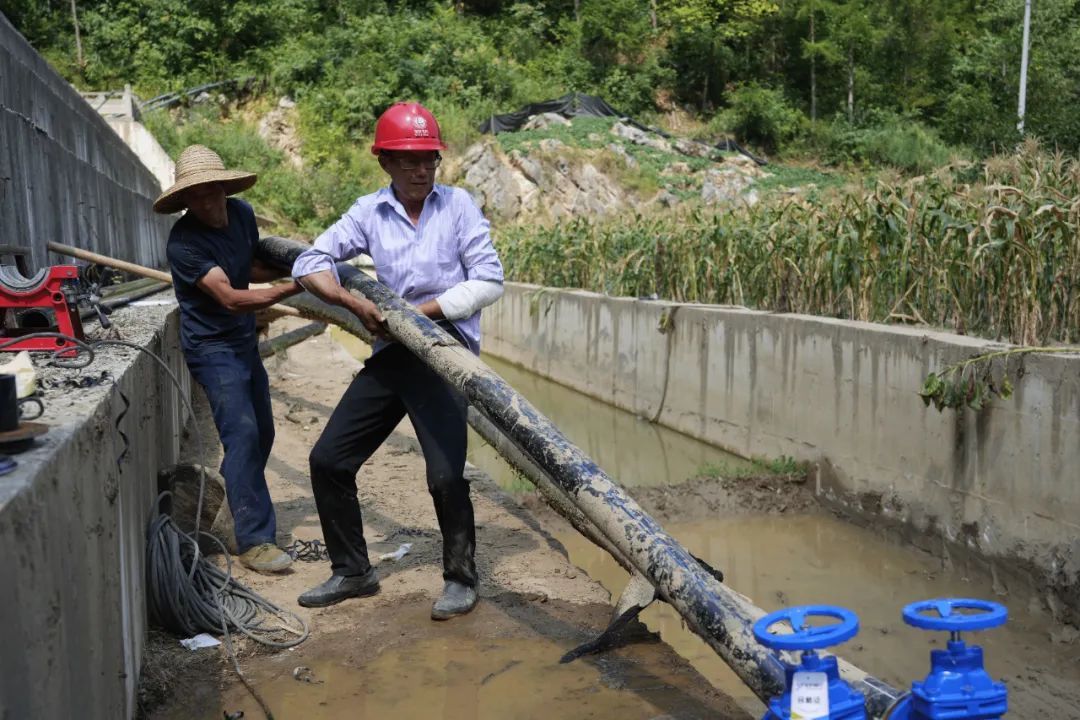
{"x": 46, "y": 302}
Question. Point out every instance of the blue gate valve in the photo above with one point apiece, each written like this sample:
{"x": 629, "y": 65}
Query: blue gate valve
{"x": 813, "y": 688}
{"x": 957, "y": 688}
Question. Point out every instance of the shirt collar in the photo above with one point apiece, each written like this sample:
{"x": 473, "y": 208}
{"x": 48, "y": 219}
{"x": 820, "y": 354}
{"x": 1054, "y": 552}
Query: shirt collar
{"x": 386, "y": 195}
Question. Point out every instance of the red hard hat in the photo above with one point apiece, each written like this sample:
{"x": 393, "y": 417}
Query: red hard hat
{"x": 407, "y": 126}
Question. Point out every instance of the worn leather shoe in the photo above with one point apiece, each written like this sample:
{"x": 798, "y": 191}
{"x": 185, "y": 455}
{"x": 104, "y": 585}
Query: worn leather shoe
{"x": 340, "y": 587}
{"x": 456, "y": 599}
{"x": 266, "y": 558}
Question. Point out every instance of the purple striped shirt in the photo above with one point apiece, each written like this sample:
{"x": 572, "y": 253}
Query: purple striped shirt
{"x": 450, "y": 244}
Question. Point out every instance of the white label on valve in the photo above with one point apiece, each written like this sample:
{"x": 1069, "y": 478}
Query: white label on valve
{"x": 809, "y": 696}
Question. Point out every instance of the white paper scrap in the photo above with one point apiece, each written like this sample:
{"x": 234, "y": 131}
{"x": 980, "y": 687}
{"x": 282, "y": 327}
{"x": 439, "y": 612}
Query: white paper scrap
{"x": 401, "y": 552}
{"x": 202, "y": 640}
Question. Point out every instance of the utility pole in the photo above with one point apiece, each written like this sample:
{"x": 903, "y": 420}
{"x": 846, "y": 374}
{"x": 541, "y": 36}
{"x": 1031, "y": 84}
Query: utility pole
{"x": 1024, "y": 67}
{"x": 813, "y": 68}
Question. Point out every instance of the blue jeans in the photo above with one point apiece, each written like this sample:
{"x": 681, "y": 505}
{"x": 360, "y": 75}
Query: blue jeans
{"x": 239, "y": 393}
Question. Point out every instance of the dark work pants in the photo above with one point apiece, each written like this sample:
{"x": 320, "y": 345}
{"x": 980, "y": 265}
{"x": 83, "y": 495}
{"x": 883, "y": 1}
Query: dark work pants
{"x": 394, "y": 382}
{"x": 239, "y": 395}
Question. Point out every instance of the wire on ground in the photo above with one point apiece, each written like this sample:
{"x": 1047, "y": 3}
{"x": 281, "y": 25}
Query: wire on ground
{"x": 187, "y": 593}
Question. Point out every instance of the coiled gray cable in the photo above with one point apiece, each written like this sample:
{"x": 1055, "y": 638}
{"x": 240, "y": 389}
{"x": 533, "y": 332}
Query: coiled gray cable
{"x": 187, "y": 594}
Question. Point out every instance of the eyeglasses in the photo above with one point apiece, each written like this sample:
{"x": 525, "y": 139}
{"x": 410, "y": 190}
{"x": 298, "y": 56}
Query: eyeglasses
{"x": 409, "y": 163}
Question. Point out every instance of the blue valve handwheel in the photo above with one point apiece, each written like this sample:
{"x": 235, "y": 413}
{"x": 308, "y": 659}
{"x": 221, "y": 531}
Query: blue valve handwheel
{"x": 804, "y": 636}
{"x": 944, "y": 616}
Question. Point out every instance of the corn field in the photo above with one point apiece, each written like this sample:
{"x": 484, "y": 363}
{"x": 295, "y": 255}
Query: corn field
{"x": 991, "y": 250}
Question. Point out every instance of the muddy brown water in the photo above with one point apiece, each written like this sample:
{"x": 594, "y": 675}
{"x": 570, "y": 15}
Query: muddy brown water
{"x": 779, "y": 561}
{"x": 448, "y": 679}
{"x": 495, "y": 664}
{"x": 633, "y": 451}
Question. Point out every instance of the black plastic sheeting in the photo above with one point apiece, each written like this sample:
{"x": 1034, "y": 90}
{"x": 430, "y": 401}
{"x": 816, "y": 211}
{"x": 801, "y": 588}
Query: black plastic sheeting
{"x": 571, "y": 105}
{"x": 577, "y": 104}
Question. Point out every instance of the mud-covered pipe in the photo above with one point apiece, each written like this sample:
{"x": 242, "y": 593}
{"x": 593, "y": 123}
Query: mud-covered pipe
{"x": 720, "y": 616}
{"x": 286, "y": 340}
{"x": 553, "y": 495}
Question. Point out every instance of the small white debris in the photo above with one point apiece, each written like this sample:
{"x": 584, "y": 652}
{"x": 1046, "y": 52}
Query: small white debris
{"x": 202, "y": 640}
{"x": 401, "y": 552}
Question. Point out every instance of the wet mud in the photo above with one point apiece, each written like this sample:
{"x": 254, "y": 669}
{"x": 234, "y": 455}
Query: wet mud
{"x": 383, "y": 656}
{"x": 499, "y": 662}
{"x": 767, "y": 533}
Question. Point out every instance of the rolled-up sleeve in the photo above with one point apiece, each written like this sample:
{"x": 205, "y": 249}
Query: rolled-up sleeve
{"x": 342, "y": 241}
{"x": 478, "y": 255}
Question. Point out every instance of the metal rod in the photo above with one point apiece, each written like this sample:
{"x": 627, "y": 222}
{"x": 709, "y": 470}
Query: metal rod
{"x": 111, "y": 291}
{"x": 114, "y": 302}
{"x": 118, "y": 301}
{"x": 134, "y": 269}
{"x": 716, "y": 613}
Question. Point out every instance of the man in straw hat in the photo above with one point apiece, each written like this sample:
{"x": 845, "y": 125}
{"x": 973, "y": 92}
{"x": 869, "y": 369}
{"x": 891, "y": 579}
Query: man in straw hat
{"x": 211, "y": 253}
{"x": 430, "y": 244}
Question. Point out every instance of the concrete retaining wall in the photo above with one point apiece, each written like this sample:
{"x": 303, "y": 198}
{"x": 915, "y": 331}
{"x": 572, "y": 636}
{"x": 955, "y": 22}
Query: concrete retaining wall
{"x": 73, "y": 515}
{"x": 1000, "y": 486}
{"x": 147, "y": 148}
{"x": 73, "y": 519}
{"x": 65, "y": 176}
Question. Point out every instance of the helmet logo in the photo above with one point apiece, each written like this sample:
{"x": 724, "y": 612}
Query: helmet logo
{"x": 419, "y": 126}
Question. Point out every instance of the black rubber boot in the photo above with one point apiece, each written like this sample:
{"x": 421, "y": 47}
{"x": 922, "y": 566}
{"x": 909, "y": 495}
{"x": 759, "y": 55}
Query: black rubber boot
{"x": 456, "y": 599}
{"x": 340, "y": 587}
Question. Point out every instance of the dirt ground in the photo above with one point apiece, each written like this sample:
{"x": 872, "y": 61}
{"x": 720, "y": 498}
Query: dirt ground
{"x": 384, "y": 652}
{"x": 383, "y": 657}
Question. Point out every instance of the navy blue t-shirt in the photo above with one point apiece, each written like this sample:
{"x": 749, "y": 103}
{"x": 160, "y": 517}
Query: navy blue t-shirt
{"x": 194, "y": 250}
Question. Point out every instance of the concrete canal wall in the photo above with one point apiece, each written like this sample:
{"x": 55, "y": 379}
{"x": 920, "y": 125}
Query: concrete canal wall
{"x": 74, "y": 513}
{"x": 1001, "y": 486}
{"x": 65, "y": 176}
{"x": 73, "y": 520}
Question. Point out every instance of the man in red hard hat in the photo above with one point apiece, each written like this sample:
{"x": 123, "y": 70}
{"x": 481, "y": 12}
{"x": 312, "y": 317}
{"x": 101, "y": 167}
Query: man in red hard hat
{"x": 431, "y": 245}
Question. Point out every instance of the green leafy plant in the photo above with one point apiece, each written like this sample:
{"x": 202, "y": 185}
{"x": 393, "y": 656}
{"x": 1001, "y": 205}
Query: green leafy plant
{"x": 762, "y": 115}
{"x": 974, "y": 382}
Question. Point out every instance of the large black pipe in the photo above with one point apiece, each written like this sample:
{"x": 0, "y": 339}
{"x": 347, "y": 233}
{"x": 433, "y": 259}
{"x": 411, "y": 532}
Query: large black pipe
{"x": 312, "y": 307}
{"x": 720, "y": 616}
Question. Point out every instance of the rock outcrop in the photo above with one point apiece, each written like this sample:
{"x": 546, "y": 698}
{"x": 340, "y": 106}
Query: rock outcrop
{"x": 640, "y": 137}
{"x": 278, "y": 128}
{"x": 550, "y": 180}
{"x": 543, "y": 182}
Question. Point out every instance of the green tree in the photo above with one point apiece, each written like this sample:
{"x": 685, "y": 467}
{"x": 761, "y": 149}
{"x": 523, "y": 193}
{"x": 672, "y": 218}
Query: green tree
{"x": 852, "y": 37}
{"x": 702, "y": 36}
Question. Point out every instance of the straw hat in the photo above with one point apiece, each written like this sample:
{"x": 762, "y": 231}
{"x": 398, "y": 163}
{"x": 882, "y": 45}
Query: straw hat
{"x": 198, "y": 165}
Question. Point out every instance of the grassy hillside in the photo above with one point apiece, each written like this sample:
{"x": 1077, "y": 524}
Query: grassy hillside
{"x": 990, "y": 249}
